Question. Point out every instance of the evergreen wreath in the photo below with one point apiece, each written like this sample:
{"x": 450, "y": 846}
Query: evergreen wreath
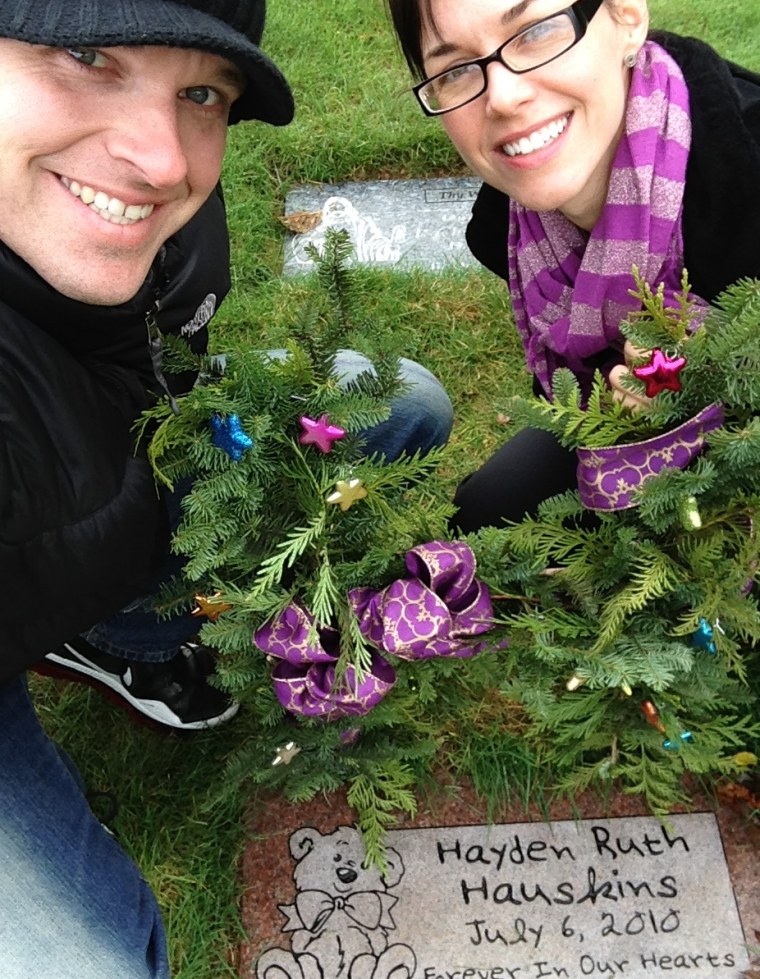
{"x": 636, "y": 629}
{"x": 616, "y": 648}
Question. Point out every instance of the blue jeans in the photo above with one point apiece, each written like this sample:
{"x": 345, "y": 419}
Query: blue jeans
{"x": 420, "y": 420}
{"x": 72, "y": 903}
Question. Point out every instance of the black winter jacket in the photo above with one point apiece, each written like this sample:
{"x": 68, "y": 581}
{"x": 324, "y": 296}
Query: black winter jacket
{"x": 721, "y": 207}
{"x": 81, "y": 525}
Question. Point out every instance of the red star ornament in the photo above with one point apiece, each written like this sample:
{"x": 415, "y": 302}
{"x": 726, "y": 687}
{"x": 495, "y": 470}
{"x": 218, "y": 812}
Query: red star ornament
{"x": 320, "y": 433}
{"x": 661, "y": 373}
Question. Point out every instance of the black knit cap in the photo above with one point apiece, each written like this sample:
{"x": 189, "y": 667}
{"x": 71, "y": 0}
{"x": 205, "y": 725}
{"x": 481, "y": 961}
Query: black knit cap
{"x": 231, "y": 28}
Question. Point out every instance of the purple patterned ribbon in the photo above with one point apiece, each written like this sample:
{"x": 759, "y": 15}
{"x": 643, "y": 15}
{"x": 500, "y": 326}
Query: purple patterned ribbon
{"x": 436, "y": 612}
{"x": 305, "y": 682}
{"x": 314, "y": 692}
{"x": 609, "y": 477}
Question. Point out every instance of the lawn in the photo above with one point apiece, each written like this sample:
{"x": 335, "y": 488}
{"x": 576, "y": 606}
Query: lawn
{"x": 355, "y": 120}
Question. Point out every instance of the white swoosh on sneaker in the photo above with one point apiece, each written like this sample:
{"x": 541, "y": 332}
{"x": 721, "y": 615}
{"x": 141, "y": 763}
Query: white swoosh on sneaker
{"x": 156, "y": 710}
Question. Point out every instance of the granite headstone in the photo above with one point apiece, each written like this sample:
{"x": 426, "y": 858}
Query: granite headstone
{"x": 404, "y": 223}
{"x": 624, "y": 897}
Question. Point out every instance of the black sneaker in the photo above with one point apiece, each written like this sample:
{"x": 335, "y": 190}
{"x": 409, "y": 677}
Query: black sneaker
{"x": 174, "y": 694}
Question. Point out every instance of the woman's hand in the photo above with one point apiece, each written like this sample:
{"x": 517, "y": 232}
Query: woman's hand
{"x": 633, "y": 356}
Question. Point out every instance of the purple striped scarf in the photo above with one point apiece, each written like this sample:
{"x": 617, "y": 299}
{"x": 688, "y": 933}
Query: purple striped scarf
{"x": 570, "y": 291}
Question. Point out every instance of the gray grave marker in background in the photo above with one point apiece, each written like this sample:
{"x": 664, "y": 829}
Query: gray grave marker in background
{"x": 402, "y": 223}
{"x": 606, "y": 898}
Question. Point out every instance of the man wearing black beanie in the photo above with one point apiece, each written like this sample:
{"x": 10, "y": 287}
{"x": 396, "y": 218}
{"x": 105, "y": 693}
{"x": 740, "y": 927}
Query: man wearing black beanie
{"x": 114, "y": 116}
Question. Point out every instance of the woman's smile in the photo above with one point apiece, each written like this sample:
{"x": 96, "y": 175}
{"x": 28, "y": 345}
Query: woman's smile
{"x": 537, "y": 139}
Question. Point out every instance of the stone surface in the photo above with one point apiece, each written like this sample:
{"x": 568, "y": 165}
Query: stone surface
{"x": 598, "y": 897}
{"x": 391, "y": 222}
{"x": 671, "y": 898}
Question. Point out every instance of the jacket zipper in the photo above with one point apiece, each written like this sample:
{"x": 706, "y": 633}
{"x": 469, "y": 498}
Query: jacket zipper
{"x": 156, "y": 348}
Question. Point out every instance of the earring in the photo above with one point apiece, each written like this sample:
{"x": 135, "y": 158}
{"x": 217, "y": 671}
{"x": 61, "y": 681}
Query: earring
{"x": 630, "y": 59}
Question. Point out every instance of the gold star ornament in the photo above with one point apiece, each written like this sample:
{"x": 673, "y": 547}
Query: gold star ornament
{"x": 286, "y": 754}
{"x": 210, "y": 607}
{"x": 347, "y": 492}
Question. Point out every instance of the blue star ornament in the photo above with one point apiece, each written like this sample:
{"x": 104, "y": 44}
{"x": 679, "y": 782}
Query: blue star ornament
{"x": 704, "y": 637}
{"x": 229, "y": 435}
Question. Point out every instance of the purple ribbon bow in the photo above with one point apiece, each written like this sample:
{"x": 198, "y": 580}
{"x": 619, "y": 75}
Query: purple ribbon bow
{"x": 609, "y": 477}
{"x": 436, "y": 612}
{"x": 305, "y": 683}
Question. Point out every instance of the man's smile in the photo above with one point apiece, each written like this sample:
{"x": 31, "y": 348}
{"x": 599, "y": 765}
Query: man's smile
{"x": 109, "y": 208}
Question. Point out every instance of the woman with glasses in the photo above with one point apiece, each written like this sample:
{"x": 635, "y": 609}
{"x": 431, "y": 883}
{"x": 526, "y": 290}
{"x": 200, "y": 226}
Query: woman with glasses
{"x": 601, "y": 146}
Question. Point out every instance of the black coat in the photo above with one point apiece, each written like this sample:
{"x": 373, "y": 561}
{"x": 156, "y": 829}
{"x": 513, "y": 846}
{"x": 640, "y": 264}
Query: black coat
{"x": 721, "y": 207}
{"x": 82, "y": 528}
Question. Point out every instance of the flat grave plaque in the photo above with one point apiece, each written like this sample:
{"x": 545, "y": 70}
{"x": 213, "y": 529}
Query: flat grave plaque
{"x": 623, "y": 897}
{"x": 404, "y": 223}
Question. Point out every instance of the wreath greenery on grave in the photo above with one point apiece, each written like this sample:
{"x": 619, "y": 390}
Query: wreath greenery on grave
{"x": 611, "y": 647}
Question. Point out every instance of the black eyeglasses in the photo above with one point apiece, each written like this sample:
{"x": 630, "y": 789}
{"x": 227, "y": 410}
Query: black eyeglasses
{"x": 527, "y": 50}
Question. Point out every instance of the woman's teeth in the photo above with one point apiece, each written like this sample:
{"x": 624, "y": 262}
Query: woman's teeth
{"x": 536, "y": 140}
{"x": 109, "y": 208}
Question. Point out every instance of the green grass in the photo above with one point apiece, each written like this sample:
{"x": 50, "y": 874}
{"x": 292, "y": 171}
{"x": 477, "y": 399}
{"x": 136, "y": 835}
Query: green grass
{"x": 354, "y": 121}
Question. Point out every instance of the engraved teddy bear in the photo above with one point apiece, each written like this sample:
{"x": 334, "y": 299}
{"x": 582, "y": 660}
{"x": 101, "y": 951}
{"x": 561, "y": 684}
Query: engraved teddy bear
{"x": 340, "y": 921}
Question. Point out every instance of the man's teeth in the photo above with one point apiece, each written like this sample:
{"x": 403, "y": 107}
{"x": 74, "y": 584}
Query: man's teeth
{"x": 109, "y": 208}
{"x": 536, "y": 140}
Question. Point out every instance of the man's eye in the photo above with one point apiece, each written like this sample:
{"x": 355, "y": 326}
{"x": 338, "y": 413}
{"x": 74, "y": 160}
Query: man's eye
{"x": 202, "y": 95}
{"x": 88, "y": 56}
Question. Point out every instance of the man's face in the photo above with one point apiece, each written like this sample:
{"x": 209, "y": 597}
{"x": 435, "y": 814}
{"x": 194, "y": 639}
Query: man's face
{"x": 104, "y": 155}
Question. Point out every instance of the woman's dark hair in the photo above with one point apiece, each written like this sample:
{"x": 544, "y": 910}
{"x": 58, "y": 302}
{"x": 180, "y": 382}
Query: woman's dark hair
{"x": 408, "y": 17}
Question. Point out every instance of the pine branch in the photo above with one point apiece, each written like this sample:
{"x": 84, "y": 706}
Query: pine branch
{"x": 295, "y": 544}
{"x": 655, "y": 779}
{"x": 335, "y": 275}
{"x": 653, "y": 575}
{"x": 377, "y": 797}
{"x": 600, "y": 423}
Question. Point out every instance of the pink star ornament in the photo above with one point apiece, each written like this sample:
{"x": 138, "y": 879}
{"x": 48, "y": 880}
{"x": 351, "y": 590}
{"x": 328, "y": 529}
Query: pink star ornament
{"x": 661, "y": 373}
{"x": 320, "y": 433}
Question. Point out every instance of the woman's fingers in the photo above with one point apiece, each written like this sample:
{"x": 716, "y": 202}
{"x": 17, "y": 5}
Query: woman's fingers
{"x": 634, "y": 356}
{"x": 636, "y": 402}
